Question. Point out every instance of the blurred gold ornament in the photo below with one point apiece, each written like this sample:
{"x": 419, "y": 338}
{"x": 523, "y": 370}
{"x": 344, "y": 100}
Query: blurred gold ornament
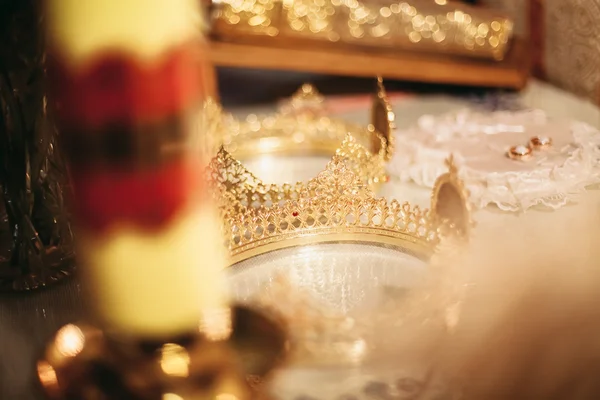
{"x": 414, "y": 25}
{"x": 303, "y": 126}
{"x": 84, "y": 362}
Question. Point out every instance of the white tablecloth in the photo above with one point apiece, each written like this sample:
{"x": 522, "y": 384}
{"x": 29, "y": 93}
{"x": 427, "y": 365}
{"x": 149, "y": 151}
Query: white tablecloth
{"x": 27, "y": 320}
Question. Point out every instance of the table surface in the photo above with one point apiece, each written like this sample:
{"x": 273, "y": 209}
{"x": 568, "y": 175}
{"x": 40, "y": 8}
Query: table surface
{"x": 27, "y": 320}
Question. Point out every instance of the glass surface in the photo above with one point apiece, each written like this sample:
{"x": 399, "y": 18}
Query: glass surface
{"x": 345, "y": 277}
{"x": 339, "y": 300}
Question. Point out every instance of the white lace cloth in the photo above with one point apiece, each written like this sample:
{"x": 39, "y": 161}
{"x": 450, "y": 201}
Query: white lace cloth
{"x": 479, "y": 142}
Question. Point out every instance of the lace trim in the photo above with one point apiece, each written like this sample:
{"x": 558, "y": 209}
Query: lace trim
{"x": 547, "y": 186}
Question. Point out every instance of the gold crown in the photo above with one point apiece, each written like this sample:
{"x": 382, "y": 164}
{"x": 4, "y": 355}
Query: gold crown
{"x": 302, "y": 127}
{"x": 336, "y": 206}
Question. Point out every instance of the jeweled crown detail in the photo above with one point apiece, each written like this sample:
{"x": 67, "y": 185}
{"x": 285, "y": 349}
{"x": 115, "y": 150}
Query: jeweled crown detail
{"x": 334, "y": 206}
{"x": 303, "y": 125}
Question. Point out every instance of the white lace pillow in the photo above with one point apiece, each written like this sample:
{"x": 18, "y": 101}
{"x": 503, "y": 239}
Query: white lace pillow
{"x": 479, "y": 142}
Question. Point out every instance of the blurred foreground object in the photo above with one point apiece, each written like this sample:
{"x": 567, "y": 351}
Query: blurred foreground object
{"x": 530, "y": 327}
{"x": 420, "y": 41}
{"x": 82, "y": 362}
{"x": 127, "y": 86}
{"x": 35, "y": 234}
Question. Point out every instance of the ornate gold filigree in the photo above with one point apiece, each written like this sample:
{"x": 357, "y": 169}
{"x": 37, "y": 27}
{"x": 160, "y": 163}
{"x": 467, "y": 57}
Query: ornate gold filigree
{"x": 303, "y": 127}
{"x": 336, "y": 206}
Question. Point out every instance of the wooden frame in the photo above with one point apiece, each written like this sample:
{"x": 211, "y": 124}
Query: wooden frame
{"x": 511, "y": 73}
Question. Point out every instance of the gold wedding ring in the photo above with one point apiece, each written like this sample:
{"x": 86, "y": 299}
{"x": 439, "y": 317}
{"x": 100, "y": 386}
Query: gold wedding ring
{"x": 519, "y": 153}
{"x": 540, "y": 142}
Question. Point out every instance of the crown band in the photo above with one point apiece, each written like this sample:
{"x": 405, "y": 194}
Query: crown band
{"x": 336, "y": 206}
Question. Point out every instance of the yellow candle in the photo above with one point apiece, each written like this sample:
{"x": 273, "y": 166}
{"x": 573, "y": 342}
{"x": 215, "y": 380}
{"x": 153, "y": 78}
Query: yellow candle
{"x": 156, "y": 284}
{"x": 82, "y": 28}
{"x": 151, "y": 253}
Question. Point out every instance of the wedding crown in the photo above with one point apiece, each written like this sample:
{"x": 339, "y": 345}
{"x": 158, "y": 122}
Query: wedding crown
{"x": 336, "y": 206}
{"x": 302, "y": 127}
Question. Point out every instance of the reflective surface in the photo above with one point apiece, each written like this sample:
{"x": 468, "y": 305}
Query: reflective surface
{"x": 347, "y": 278}
{"x": 351, "y": 337}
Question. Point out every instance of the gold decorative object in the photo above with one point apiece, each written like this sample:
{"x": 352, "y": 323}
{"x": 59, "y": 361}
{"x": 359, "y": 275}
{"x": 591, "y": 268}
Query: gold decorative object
{"x": 387, "y": 330}
{"x": 336, "y": 206}
{"x": 303, "y": 127}
{"x": 519, "y": 153}
{"x": 83, "y": 362}
{"x": 413, "y": 25}
{"x": 540, "y": 142}
{"x": 450, "y": 202}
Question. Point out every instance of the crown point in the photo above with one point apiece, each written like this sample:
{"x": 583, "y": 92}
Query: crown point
{"x": 307, "y": 88}
{"x": 324, "y": 205}
{"x": 451, "y": 164}
{"x": 380, "y": 87}
{"x": 306, "y": 97}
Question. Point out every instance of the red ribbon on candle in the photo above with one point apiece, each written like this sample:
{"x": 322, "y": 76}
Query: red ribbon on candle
{"x": 117, "y": 87}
